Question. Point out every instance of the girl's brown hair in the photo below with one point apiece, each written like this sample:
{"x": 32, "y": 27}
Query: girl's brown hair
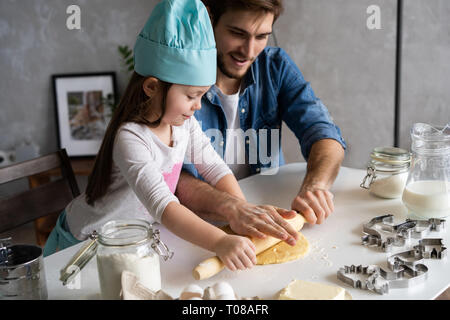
{"x": 135, "y": 106}
{"x": 218, "y": 7}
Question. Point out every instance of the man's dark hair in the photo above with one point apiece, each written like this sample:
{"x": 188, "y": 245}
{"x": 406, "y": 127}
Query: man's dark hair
{"x": 218, "y": 7}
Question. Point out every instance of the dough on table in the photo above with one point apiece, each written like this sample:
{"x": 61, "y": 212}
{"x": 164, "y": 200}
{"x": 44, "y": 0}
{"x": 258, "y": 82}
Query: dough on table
{"x": 282, "y": 252}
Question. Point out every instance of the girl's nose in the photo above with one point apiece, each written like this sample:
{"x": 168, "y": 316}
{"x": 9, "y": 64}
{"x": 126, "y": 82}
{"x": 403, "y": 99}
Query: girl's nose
{"x": 197, "y": 106}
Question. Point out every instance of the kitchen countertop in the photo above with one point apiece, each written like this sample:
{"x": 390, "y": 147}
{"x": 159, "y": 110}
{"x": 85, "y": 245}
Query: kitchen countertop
{"x": 335, "y": 243}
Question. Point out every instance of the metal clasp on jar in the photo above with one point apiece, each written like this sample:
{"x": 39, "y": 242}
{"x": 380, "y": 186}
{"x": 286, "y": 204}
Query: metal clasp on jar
{"x": 80, "y": 259}
{"x": 160, "y": 247}
{"x": 369, "y": 178}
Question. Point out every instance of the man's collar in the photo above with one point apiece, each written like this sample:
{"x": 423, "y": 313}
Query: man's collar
{"x": 249, "y": 78}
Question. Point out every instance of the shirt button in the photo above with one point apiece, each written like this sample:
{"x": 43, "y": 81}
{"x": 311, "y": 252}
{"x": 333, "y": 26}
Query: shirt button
{"x": 258, "y": 170}
{"x": 221, "y": 143}
{"x": 209, "y": 95}
{"x": 247, "y": 141}
{"x": 243, "y": 110}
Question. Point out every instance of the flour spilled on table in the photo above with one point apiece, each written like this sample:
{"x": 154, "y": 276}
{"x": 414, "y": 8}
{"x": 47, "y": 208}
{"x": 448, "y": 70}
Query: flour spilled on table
{"x": 318, "y": 253}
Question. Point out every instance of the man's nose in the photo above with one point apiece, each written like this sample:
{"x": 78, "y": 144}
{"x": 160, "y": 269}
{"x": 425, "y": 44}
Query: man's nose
{"x": 248, "y": 48}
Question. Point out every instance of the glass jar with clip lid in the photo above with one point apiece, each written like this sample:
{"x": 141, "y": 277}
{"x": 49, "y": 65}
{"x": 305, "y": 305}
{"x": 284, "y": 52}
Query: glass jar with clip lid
{"x": 131, "y": 245}
{"x": 387, "y": 172}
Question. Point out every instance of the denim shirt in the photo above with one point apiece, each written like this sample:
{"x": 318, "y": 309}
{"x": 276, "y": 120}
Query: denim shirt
{"x": 272, "y": 91}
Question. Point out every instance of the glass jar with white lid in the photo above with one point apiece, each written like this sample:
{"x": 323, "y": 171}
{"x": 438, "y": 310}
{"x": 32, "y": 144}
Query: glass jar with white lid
{"x": 131, "y": 245}
{"x": 387, "y": 172}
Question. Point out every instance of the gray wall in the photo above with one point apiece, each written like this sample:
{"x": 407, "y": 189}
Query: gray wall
{"x": 351, "y": 68}
{"x": 426, "y": 65}
{"x": 35, "y": 43}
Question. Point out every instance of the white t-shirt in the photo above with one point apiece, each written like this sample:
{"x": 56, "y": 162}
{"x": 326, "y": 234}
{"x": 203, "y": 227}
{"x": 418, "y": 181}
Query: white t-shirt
{"x": 234, "y": 155}
{"x": 144, "y": 176}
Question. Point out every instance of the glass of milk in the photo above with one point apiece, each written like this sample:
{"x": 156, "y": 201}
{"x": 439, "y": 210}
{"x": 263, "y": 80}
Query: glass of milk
{"x": 427, "y": 191}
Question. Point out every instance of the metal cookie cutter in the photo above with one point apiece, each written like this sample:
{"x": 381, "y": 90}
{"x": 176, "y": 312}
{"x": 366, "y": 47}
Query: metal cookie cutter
{"x": 368, "y": 284}
{"x": 369, "y": 271}
{"x": 403, "y": 277}
{"x": 401, "y": 232}
{"x": 409, "y": 258}
{"x": 424, "y": 227}
{"x": 425, "y": 244}
{"x": 426, "y": 249}
{"x": 381, "y": 281}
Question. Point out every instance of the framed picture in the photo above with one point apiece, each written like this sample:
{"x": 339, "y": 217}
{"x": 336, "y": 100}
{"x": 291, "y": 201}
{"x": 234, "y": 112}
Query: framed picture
{"x": 84, "y": 104}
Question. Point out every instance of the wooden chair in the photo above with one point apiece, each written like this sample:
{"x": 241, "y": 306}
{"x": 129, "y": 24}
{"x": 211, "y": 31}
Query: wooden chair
{"x": 40, "y": 201}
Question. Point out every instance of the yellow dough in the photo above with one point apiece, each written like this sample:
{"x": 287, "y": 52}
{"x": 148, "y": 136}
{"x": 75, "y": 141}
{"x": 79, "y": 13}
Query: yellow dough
{"x": 282, "y": 252}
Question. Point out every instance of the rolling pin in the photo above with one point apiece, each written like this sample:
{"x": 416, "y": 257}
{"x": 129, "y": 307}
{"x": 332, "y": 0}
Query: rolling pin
{"x": 214, "y": 265}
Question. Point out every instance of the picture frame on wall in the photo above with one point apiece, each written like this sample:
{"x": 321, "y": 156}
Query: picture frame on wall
{"x": 84, "y": 104}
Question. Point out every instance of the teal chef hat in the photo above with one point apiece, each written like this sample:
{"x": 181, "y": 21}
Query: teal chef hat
{"x": 177, "y": 44}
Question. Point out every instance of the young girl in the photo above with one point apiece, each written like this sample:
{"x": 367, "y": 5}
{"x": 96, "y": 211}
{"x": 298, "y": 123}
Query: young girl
{"x": 151, "y": 133}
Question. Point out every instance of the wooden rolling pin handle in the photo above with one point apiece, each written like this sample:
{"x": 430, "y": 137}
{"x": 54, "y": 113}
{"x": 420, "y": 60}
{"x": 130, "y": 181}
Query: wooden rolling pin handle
{"x": 208, "y": 268}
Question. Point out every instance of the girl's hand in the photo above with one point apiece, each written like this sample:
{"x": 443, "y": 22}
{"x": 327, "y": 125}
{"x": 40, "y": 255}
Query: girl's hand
{"x": 236, "y": 252}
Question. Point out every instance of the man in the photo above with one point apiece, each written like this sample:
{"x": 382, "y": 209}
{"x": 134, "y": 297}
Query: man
{"x": 257, "y": 88}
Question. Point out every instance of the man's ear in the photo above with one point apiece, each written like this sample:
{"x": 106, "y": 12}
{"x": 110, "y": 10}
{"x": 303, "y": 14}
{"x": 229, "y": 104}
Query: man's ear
{"x": 150, "y": 86}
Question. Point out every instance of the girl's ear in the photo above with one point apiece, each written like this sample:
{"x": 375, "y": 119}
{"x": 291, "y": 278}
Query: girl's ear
{"x": 150, "y": 86}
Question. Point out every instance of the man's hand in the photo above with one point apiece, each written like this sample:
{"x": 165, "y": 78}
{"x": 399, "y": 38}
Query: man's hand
{"x": 315, "y": 204}
{"x": 259, "y": 221}
{"x": 314, "y": 199}
{"x": 244, "y": 218}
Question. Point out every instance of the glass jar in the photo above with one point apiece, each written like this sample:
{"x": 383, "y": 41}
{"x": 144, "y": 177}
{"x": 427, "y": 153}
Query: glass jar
{"x": 387, "y": 172}
{"x": 131, "y": 245}
{"x": 427, "y": 192}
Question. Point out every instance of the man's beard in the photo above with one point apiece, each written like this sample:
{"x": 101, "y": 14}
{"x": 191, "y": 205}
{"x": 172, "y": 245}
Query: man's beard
{"x": 223, "y": 69}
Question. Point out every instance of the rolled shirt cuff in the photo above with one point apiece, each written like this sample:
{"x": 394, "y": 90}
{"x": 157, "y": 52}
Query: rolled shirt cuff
{"x": 318, "y": 132}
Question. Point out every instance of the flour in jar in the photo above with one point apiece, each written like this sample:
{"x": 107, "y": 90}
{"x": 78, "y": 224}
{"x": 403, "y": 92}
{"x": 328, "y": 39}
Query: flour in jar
{"x": 390, "y": 187}
{"x": 111, "y": 266}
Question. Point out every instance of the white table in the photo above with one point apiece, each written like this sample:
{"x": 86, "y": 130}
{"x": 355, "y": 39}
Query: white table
{"x": 335, "y": 243}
